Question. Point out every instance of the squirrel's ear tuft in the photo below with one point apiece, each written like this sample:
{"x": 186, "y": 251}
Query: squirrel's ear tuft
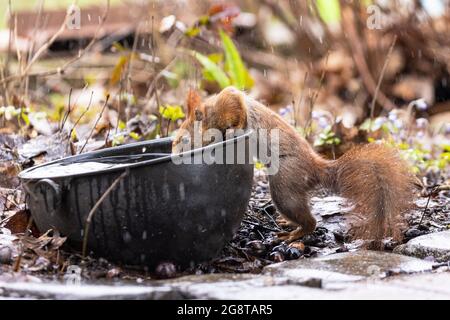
{"x": 193, "y": 101}
{"x": 230, "y": 104}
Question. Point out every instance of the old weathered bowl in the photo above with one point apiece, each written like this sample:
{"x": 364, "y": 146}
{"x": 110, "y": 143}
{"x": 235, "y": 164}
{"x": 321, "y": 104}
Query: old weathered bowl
{"x": 157, "y": 211}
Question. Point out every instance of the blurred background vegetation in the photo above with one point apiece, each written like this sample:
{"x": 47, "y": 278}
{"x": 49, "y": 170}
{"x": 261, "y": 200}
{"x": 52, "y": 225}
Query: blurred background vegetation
{"x": 341, "y": 72}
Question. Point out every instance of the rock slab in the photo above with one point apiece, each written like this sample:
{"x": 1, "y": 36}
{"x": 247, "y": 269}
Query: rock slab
{"x": 435, "y": 245}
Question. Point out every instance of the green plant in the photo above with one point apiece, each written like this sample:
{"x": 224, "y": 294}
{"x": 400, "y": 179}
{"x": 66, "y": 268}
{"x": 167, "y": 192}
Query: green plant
{"x": 212, "y": 71}
{"x": 180, "y": 70}
{"x": 11, "y": 112}
{"x": 231, "y": 72}
{"x": 380, "y": 123}
{"x": 425, "y": 159}
{"x": 327, "y": 138}
{"x": 121, "y": 65}
{"x": 172, "y": 113}
{"x": 329, "y": 10}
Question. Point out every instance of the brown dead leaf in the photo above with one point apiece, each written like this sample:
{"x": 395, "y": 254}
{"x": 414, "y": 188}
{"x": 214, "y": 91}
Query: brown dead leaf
{"x": 18, "y": 223}
{"x": 8, "y": 174}
{"x": 47, "y": 245}
{"x": 10, "y": 199}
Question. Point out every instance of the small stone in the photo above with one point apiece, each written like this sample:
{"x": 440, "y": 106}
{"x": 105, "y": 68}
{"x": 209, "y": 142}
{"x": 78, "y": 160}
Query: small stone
{"x": 413, "y": 233}
{"x": 269, "y": 242}
{"x": 256, "y": 246}
{"x": 276, "y": 256}
{"x": 342, "y": 249}
{"x": 166, "y": 270}
{"x": 5, "y": 255}
{"x": 292, "y": 253}
{"x": 339, "y": 235}
{"x": 298, "y": 245}
{"x": 312, "y": 240}
{"x": 139, "y": 280}
{"x": 436, "y": 245}
{"x": 280, "y": 248}
{"x": 113, "y": 273}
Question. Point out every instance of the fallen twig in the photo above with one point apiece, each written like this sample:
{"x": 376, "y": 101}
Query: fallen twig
{"x": 94, "y": 209}
{"x": 425, "y": 210}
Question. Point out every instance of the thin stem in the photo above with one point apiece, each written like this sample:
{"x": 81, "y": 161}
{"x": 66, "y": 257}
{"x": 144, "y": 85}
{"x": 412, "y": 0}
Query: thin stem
{"x": 94, "y": 209}
{"x": 95, "y": 124}
{"x": 380, "y": 79}
{"x": 82, "y": 115}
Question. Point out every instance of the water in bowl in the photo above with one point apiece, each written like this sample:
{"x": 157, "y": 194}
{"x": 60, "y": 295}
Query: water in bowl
{"x": 89, "y": 165}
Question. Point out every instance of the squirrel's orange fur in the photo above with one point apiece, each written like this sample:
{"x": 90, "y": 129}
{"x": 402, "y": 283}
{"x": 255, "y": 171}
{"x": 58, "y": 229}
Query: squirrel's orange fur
{"x": 373, "y": 177}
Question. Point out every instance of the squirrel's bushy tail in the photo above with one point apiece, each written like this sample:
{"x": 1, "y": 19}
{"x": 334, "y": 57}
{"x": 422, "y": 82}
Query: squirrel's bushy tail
{"x": 380, "y": 185}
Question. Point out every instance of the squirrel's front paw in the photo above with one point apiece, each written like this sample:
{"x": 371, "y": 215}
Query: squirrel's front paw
{"x": 291, "y": 236}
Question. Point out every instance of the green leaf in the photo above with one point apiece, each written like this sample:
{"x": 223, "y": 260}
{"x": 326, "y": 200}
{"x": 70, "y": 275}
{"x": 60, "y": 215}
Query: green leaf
{"x": 216, "y": 57}
{"x": 213, "y": 69}
{"x": 73, "y": 135}
{"x": 118, "y": 69}
{"x": 122, "y": 125}
{"x": 249, "y": 82}
{"x": 25, "y": 118}
{"x": 134, "y": 135}
{"x": 329, "y": 10}
{"x": 203, "y": 20}
{"x": 118, "y": 140}
{"x": 172, "y": 113}
{"x": 207, "y": 76}
{"x": 192, "y": 32}
{"x": 327, "y": 137}
{"x": 259, "y": 165}
{"x": 235, "y": 66}
{"x": 118, "y": 47}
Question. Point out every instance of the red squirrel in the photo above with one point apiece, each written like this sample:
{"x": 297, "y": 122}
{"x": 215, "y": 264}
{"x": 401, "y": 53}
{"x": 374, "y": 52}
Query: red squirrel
{"x": 373, "y": 177}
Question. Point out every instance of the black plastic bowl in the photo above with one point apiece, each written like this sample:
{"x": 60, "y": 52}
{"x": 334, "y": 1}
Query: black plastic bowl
{"x": 159, "y": 211}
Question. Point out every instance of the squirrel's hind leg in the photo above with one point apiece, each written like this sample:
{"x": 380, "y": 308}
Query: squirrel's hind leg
{"x": 285, "y": 223}
{"x": 299, "y": 217}
{"x": 290, "y": 194}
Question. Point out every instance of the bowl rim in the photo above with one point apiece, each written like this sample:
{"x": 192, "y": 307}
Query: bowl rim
{"x": 170, "y": 156}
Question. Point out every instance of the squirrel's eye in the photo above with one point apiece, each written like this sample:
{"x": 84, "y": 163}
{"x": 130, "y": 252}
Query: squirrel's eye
{"x": 185, "y": 140}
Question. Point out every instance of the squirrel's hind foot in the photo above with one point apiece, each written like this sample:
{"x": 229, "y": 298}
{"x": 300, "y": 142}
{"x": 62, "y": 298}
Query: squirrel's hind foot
{"x": 290, "y": 236}
{"x": 284, "y": 223}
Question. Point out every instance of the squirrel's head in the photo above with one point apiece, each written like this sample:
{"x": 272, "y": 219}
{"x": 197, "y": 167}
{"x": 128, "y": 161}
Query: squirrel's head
{"x": 224, "y": 111}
